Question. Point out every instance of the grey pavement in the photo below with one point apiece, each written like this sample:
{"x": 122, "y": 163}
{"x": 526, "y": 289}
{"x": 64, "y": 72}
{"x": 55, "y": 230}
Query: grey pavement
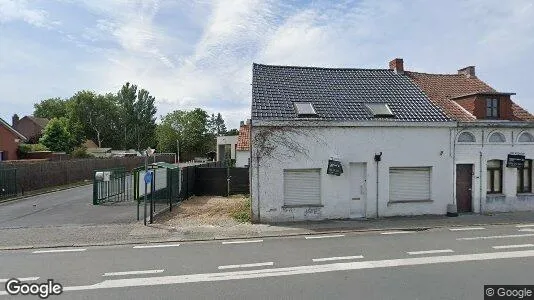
{"x": 455, "y": 264}
{"x": 66, "y": 207}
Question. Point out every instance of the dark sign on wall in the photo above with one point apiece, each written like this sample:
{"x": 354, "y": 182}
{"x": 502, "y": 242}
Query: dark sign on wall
{"x": 334, "y": 167}
{"x": 515, "y": 161}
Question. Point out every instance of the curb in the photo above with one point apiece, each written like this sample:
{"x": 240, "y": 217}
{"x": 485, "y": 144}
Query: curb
{"x": 319, "y": 232}
{"x": 43, "y": 193}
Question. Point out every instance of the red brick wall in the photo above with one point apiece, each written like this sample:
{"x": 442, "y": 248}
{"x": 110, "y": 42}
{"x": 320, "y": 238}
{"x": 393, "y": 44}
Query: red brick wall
{"x": 476, "y": 105}
{"x": 8, "y": 144}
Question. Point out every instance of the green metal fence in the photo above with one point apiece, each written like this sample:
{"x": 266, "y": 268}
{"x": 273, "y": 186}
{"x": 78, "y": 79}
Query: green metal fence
{"x": 112, "y": 185}
{"x": 8, "y": 183}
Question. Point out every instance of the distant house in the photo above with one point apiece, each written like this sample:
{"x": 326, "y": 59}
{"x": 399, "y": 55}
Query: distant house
{"x": 9, "y": 141}
{"x": 226, "y": 146}
{"x": 242, "y": 155}
{"x": 29, "y": 126}
{"x": 89, "y": 144}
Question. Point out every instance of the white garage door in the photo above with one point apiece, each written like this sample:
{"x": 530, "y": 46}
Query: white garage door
{"x": 302, "y": 187}
{"x": 409, "y": 184}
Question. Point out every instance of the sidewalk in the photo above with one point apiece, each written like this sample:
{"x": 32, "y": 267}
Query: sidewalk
{"x": 118, "y": 234}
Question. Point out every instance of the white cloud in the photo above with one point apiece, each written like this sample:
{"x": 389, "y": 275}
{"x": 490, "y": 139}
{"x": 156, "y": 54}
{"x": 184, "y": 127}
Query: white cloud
{"x": 19, "y": 10}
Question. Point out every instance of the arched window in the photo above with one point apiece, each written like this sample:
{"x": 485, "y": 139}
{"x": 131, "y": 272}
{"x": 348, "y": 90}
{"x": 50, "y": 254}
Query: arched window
{"x": 497, "y": 137}
{"x": 466, "y": 137}
{"x": 526, "y": 137}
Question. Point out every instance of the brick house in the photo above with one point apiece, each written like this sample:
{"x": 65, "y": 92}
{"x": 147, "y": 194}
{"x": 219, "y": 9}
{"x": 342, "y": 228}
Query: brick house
{"x": 243, "y": 145}
{"x": 31, "y": 127}
{"x": 9, "y": 141}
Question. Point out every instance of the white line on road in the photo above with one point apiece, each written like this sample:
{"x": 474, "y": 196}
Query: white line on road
{"x": 323, "y": 236}
{"x": 298, "y": 270}
{"x": 396, "y": 232}
{"x": 133, "y": 273}
{"x": 242, "y": 242}
{"x": 337, "y": 258}
{"x": 59, "y": 250}
{"x": 21, "y": 279}
{"x": 430, "y": 251}
{"x": 155, "y": 246}
{"x": 246, "y": 265}
{"x": 494, "y": 237}
{"x": 513, "y": 246}
{"x": 526, "y": 230}
{"x": 466, "y": 228}
{"x": 524, "y": 225}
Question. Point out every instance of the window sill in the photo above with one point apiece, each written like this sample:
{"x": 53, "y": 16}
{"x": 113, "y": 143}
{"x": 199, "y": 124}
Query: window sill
{"x": 302, "y": 205}
{"x": 495, "y": 195}
{"x": 410, "y": 201}
{"x": 525, "y": 194}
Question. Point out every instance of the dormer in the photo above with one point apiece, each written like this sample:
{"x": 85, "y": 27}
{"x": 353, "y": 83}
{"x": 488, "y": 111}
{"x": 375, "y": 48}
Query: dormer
{"x": 487, "y": 105}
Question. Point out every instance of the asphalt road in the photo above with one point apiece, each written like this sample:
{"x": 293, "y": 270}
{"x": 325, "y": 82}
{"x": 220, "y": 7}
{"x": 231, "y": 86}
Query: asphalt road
{"x": 71, "y": 206}
{"x": 434, "y": 264}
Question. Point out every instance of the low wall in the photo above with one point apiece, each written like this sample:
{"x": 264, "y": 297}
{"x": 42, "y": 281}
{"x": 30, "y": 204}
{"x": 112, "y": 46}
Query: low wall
{"x": 33, "y": 175}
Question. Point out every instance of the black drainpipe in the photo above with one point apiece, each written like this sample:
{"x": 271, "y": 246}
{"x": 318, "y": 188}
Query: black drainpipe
{"x": 378, "y": 158}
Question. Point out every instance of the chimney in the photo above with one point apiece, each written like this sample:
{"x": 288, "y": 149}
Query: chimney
{"x": 397, "y": 65}
{"x": 241, "y": 124}
{"x": 14, "y": 120}
{"x": 467, "y": 71}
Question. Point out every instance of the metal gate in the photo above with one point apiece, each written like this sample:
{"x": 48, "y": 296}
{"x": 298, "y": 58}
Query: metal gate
{"x": 111, "y": 186}
{"x": 8, "y": 183}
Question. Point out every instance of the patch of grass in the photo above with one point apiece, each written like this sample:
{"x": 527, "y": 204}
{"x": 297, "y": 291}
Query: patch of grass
{"x": 242, "y": 211}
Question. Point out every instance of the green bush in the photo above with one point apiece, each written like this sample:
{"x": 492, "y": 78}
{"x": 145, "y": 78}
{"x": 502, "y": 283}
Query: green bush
{"x": 242, "y": 214}
{"x": 80, "y": 152}
{"x": 24, "y": 149}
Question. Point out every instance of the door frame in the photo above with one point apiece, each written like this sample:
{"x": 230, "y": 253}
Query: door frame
{"x": 363, "y": 190}
{"x": 472, "y": 204}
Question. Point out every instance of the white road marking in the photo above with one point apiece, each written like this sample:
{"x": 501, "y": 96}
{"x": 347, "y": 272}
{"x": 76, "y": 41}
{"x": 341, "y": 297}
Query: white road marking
{"x": 156, "y": 246}
{"x": 246, "y": 265}
{"x": 337, "y": 258}
{"x": 287, "y": 271}
{"x": 494, "y": 237}
{"x": 466, "y": 228}
{"x": 133, "y": 273}
{"x": 59, "y": 250}
{"x": 524, "y": 225}
{"x": 21, "y": 279}
{"x": 430, "y": 251}
{"x": 513, "y": 246}
{"x": 323, "y": 236}
{"x": 396, "y": 232}
{"x": 526, "y": 230}
{"x": 242, "y": 242}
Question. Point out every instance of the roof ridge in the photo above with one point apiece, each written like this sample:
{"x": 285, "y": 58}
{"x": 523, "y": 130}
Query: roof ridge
{"x": 319, "y": 68}
{"x": 437, "y": 74}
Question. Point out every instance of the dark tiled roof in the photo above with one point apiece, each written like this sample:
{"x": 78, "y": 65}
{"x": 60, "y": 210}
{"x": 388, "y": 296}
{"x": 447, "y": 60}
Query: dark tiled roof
{"x": 243, "y": 141}
{"x": 441, "y": 88}
{"x": 42, "y": 122}
{"x": 337, "y": 94}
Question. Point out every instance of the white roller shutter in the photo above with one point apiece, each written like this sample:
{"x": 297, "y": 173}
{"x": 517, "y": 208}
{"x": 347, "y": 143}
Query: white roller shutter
{"x": 409, "y": 184}
{"x": 302, "y": 187}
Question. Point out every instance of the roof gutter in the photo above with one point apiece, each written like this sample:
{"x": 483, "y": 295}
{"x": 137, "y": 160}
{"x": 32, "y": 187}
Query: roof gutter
{"x": 326, "y": 123}
{"x": 497, "y": 124}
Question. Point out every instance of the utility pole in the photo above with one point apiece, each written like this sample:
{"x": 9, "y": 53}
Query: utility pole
{"x": 178, "y": 151}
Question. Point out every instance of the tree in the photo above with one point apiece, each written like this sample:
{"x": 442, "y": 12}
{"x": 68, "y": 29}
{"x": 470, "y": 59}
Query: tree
{"x": 219, "y": 125}
{"x": 96, "y": 115}
{"x": 137, "y": 113}
{"x": 56, "y": 136}
{"x": 51, "y": 108}
{"x": 233, "y": 132}
{"x": 190, "y": 128}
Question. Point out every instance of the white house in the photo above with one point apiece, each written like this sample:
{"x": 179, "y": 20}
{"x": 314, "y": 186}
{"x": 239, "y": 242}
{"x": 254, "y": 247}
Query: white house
{"x": 346, "y": 143}
{"x": 226, "y": 147}
{"x": 492, "y": 131}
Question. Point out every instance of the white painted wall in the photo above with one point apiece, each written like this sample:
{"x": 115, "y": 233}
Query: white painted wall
{"x": 401, "y": 147}
{"x": 227, "y": 140}
{"x": 242, "y": 158}
{"x": 479, "y": 153}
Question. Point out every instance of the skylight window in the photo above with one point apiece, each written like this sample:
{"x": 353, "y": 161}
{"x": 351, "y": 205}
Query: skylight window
{"x": 305, "y": 109}
{"x": 380, "y": 110}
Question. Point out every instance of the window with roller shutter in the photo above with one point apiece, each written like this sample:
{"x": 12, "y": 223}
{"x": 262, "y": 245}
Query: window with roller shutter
{"x": 409, "y": 184}
{"x": 302, "y": 187}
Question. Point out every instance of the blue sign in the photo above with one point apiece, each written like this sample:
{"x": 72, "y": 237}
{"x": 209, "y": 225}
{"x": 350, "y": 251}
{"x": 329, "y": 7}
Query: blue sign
{"x": 149, "y": 176}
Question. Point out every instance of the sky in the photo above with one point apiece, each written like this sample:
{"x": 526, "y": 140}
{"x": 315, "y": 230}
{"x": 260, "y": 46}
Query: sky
{"x": 199, "y": 53}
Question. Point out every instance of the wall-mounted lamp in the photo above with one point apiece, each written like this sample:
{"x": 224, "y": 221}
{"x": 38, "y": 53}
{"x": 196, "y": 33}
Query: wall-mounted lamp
{"x": 378, "y": 157}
